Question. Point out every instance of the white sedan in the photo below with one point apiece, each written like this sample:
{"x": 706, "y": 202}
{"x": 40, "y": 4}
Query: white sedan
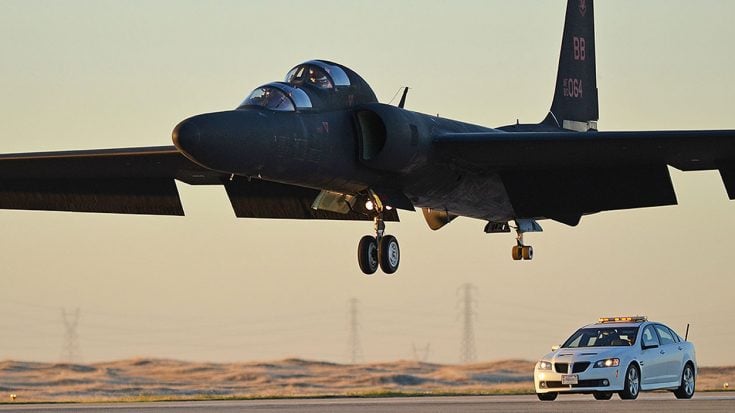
{"x": 624, "y": 355}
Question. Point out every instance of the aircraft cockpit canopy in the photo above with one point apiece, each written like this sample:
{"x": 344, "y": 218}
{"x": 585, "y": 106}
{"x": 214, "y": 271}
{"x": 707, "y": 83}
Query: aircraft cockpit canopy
{"x": 314, "y": 85}
{"x": 319, "y": 74}
{"x": 330, "y": 85}
{"x": 278, "y": 96}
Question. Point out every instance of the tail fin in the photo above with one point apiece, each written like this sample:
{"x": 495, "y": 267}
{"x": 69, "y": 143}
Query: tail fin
{"x": 575, "y": 98}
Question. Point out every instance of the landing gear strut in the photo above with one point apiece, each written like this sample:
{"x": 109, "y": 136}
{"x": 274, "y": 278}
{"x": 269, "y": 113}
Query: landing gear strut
{"x": 380, "y": 250}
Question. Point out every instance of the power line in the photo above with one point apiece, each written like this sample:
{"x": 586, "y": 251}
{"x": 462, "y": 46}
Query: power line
{"x": 70, "y": 351}
{"x": 355, "y": 350}
{"x": 467, "y": 312}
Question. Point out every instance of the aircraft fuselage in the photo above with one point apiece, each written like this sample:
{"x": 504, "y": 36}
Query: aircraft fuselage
{"x": 347, "y": 151}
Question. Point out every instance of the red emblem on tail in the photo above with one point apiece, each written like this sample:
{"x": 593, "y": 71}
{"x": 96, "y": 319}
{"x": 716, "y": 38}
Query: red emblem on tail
{"x": 582, "y": 7}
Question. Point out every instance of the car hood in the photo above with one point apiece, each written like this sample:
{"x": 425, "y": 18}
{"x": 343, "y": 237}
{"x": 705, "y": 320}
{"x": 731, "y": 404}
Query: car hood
{"x": 568, "y": 355}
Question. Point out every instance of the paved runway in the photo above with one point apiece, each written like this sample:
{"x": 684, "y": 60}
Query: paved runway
{"x": 657, "y": 402}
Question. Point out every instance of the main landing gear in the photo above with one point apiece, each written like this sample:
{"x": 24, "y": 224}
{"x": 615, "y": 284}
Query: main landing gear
{"x": 380, "y": 250}
{"x": 521, "y": 251}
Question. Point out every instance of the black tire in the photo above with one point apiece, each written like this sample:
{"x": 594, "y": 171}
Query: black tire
{"x": 688, "y": 383}
{"x": 516, "y": 253}
{"x": 602, "y": 395}
{"x": 389, "y": 254}
{"x": 547, "y": 397}
{"x": 632, "y": 387}
{"x": 367, "y": 254}
{"x": 527, "y": 252}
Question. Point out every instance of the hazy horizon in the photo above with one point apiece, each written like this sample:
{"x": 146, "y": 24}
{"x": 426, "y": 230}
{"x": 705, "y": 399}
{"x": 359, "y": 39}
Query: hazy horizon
{"x": 208, "y": 286}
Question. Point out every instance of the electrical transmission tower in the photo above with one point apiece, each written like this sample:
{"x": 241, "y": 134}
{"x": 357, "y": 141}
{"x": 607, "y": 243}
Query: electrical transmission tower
{"x": 70, "y": 351}
{"x": 467, "y": 305}
{"x": 421, "y": 353}
{"x": 354, "y": 339}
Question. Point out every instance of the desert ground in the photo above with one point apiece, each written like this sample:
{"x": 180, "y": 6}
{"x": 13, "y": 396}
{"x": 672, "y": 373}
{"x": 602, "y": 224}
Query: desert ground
{"x": 161, "y": 379}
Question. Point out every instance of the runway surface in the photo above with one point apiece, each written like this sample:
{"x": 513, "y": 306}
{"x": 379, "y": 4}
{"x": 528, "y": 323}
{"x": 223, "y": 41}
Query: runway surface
{"x": 656, "y": 402}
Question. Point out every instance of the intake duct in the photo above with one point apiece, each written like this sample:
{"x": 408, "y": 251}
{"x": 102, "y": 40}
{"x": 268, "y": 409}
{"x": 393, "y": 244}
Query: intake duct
{"x": 389, "y": 137}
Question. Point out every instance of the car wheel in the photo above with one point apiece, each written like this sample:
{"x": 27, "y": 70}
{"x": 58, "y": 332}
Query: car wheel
{"x": 632, "y": 383}
{"x": 547, "y": 397}
{"x": 688, "y": 382}
{"x": 602, "y": 395}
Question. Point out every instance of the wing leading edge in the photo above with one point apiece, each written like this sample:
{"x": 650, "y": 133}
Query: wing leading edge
{"x": 564, "y": 175}
{"x": 139, "y": 181}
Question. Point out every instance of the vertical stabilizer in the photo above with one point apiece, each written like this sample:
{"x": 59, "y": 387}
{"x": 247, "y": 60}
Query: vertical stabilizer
{"x": 575, "y": 98}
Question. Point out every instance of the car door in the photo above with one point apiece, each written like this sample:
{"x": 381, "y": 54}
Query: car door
{"x": 650, "y": 358}
{"x": 670, "y": 355}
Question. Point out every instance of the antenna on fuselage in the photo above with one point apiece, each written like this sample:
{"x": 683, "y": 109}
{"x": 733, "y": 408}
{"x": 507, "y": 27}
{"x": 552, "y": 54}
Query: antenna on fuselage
{"x": 402, "y": 102}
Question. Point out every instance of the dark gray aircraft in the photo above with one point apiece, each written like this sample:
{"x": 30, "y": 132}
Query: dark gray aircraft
{"x": 319, "y": 146}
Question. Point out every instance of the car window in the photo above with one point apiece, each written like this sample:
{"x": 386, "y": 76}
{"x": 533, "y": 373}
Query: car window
{"x": 677, "y": 339}
{"x": 649, "y": 337}
{"x": 665, "y": 334}
{"x": 602, "y": 337}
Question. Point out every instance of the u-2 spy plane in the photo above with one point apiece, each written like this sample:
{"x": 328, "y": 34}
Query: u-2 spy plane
{"x": 319, "y": 145}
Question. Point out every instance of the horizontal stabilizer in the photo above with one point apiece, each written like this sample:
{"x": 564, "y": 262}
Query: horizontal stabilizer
{"x": 157, "y": 196}
{"x": 263, "y": 199}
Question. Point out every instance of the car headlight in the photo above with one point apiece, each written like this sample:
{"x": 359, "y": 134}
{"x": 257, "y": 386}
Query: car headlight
{"x": 543, "y": 365}
{"x": 607, "y": 363}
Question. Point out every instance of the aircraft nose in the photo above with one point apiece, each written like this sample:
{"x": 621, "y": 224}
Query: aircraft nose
{"x": 187, "y": 136}
{"x": 232, "y": 141}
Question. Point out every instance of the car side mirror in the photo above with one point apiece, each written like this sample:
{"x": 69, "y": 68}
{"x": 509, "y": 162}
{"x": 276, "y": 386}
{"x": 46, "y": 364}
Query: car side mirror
{"x": 647, "y": 346}
{"x": 556, "y": 347}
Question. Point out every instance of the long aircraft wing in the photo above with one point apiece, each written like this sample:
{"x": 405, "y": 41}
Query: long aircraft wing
{"x": 140, "y": 181}
{"x": 564, "y": 175}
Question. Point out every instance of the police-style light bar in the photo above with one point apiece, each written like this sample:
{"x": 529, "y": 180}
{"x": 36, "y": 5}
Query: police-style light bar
{"x": 631, "y": 319}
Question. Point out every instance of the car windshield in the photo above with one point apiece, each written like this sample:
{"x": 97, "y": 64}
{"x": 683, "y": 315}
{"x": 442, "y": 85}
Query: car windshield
{"x": 602, "y": 337}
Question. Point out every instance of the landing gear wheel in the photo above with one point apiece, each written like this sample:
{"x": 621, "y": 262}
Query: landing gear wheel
{"x": 688, "y": 381}
{"x": 517, "y": 255}
{"x": 389, "y": 253}
{"x": 602, "y": 395}
{"x": 632, "y": 384}
{"x": 367, "y": 254}
{"x": 547, "y": 397}
{"x": 527, "y": 252}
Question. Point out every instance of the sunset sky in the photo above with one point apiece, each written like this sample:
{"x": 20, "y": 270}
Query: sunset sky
{"x": 106, "y": 74}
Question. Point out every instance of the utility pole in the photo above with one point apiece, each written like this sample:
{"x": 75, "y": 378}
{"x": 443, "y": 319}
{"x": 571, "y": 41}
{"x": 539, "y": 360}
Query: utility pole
{"x": 70, "y": 351}
{"x": 354, "y": 339}
{"x": 467, "y": 305}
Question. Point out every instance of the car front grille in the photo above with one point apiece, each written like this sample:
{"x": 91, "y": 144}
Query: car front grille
{"x": 561, "y": 367}
{"x": 580, "y": 367}
{"x": 576, "y": 367}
